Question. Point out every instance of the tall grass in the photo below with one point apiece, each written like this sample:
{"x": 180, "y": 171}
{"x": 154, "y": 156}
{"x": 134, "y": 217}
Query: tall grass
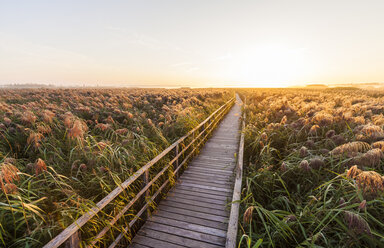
{"x": 61, "y": 151}
{"x": 297, "y": 190}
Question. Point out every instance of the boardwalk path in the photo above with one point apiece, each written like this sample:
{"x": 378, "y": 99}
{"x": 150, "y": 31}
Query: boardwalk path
{"x": 195, "y": 213}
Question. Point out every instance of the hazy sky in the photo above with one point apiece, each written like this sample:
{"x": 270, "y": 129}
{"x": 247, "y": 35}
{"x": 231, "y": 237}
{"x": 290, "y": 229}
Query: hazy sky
{"x": 191, "y": 43}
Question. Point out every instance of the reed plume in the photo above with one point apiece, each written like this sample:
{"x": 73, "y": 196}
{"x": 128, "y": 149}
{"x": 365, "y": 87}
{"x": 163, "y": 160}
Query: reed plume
{"x": 48, "y": 116}
{"x": 356, "y": 223}
{"x": 379, "y": 145}
{"x": 313, "y": 130}
{"x": 351, "y": 149}
{"x": 28, "y": 117}
{"x": 78, "y": 130}
{"x": 40, "y": 166}
{"x": 248, "y": 214}
{"x": 370, "y": 182}
{"x": 34, "y": 139}
{"x": 370, "y": 132}
{"x": 8, "y": 175}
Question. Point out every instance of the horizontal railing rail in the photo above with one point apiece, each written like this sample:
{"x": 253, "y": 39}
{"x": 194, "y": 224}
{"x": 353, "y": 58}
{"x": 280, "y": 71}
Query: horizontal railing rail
{"x": 196, "y": 137}
{"x": 235, "y": 205}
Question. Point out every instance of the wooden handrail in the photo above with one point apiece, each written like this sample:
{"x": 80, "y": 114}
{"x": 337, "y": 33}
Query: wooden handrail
{"x": 71, "y": 232}
{"x": 235, "y": 205}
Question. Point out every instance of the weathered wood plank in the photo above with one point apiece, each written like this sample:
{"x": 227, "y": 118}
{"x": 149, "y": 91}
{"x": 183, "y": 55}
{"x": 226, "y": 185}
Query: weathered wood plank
{"x": 198, "y": 198}
{"x": 135, "y": 245}
{"x": 188, "y": 226}
{"x": 203, "y": 177}
{"x": 207, "y": 191}
{"x": 192, "y": 213}
{"x": 195, "y": 203}
{"x": 210, "y": 163}
{"x": 202, "y": 195}
{"x": 217, "y": 151}
{"x": 193, "y": 220}
{"x": 187, "y": 242}
{"x": 226, "y": 177}
{"x": 207, "y": 187}
{"x": 215, "y": 167}
{"x": 185, "y": 233}
{"x": 222, "y": 213}
{"x": 212, "y": 171}
{"x": 207, "y": 181}
{"x": 155, "y": 243}
{"x": 215, "y": 159}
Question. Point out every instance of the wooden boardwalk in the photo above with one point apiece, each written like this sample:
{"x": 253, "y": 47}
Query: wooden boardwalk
{"x": 195, "y": 212}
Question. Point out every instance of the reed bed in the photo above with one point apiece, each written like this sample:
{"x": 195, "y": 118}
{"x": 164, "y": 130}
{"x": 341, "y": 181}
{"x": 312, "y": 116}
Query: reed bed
{"x": 313, "y": 168}
{"x": 62, "y": 150}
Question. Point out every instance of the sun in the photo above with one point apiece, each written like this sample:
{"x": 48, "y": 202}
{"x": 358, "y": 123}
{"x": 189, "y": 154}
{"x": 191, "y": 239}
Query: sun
{"x": 267, "y": 66}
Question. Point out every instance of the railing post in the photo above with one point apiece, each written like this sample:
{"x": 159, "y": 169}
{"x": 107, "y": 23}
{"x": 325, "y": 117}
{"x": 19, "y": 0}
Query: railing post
{"x": 194, "y": 143}
{"x": 147, "y": 192}
{"x": 73, "y": 241}
{"x": 176, "y": 164}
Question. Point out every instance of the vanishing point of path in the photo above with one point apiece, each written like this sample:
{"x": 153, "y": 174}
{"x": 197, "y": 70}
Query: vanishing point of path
{"x": 195, "y": 212}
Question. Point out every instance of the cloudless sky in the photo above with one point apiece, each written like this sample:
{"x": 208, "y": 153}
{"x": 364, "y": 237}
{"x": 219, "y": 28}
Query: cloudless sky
{"x": 191, "y": 43}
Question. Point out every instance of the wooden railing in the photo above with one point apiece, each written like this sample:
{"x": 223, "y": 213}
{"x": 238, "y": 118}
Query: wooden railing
{"x": 184, "y": 149}
{"x": 235, "y": 205}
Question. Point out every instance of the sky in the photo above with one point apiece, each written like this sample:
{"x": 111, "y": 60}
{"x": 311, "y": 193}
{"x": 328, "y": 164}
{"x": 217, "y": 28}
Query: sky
{"x": 196, "y": 43}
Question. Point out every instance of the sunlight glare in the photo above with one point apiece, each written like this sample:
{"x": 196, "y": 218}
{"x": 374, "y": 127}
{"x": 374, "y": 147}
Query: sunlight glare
{"x": 268, "y": 66}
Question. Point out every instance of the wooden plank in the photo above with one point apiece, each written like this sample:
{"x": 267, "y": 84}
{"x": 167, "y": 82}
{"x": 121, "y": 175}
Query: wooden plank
{"x": 218, "y": 150}
{"x": 220, "y": 145}
{"x": 211, "y": 192}
{"x": 215, "y": 163}
{"x": 215, "y": 159}
{"x": 193, "y": 220}
{"x": 215, "y": 167}
{"x": 176, "y": 239}
{"x": 206, "y": 180}
{"x": 196, "y": 203}
{"x": 226, "y": 177}
{"x": 135, "y": 245}
{"x": 202, "y": 195}
{"x": 188, "y": 226}
{"x": 212, "y": 171}
{"x": 185, "y": 233}
{"x": 155, "y": 243}
{"x": 201, "y": 176}
{"x": 210, "y": 162}
{"x": 206, "y": 216}
{"x": 210, "y": 180}
{"x": 197, "y": 198}
{"x": 206, "y": 183}
{"x": 207, "y": 187}
{"x": 222, "y": 213}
